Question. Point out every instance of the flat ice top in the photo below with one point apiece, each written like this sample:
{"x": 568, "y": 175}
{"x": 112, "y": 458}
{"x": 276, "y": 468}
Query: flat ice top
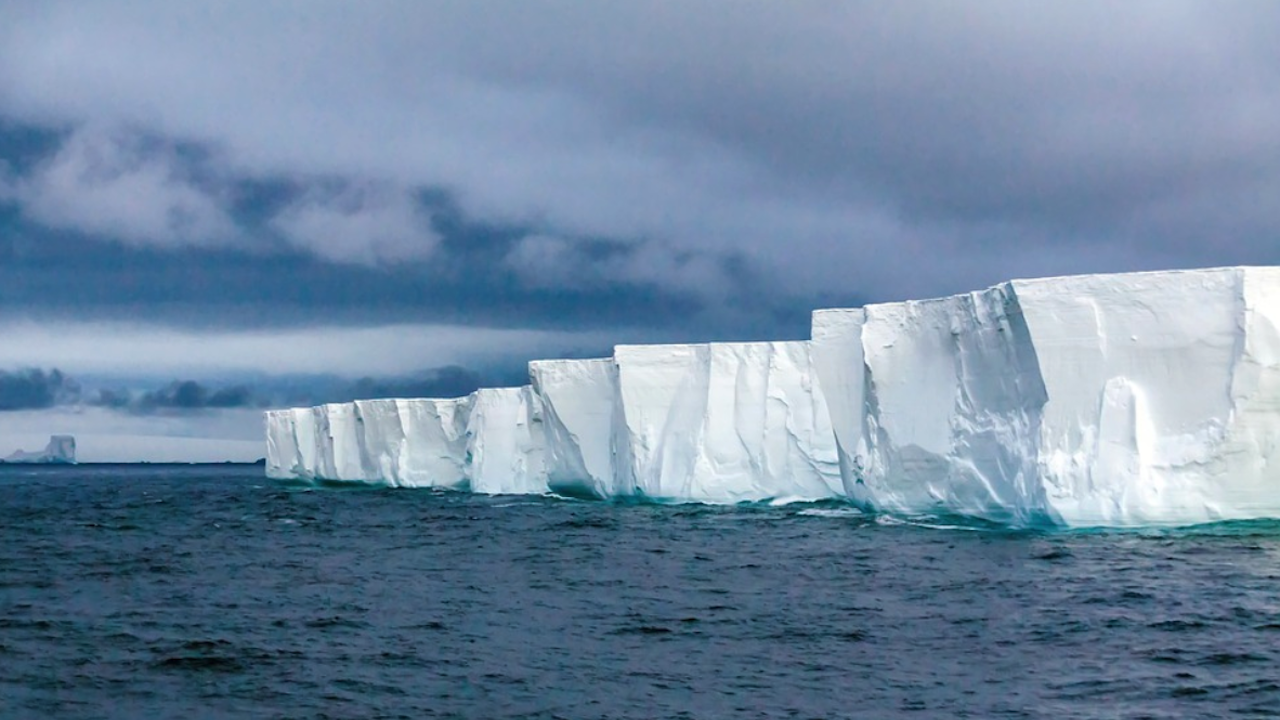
{"x": 1141, "y": 275}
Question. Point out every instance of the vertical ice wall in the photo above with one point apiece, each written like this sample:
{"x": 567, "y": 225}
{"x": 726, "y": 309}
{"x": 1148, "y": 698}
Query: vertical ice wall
{"x": 1248, "y": 476}
{"x": 724, "y": 422}
{"x": 1090, "y": 400}
{"x": 505, "y": 440}
{"x": 434, "y": 450}
{"x": 282, "y": 446}
{"x": 304, "y": 432}
{"x": 345, "y": 439}
{"x": 840, "y": 368}
{"x": 381, "y": 440}
{"x": 1097, "y": 400}
{"x": 415, "y": 443}
{"x": 1162, "y": 394}
{"x": 579, "y": 401}
{"x": 936, "y": 404}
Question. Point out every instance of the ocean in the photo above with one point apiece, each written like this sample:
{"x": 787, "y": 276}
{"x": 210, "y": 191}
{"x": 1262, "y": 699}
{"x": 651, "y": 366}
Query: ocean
{"x": 212, "y": 592}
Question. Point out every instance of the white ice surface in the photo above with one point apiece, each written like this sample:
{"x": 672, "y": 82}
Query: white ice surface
{"x": 1131, "y": 399}
{"x": 579, "y": 401}
{"x": 282, "y": 445}
{"x": 434, "y": 449}
{"x": 504, "y": 443}
{"x": 380, "y": 440}
{"x": 307, "y": 442}
{"x": 1163, "y": 394}
{"x": 724, "y": 422}
{"x": 936, "y": 404}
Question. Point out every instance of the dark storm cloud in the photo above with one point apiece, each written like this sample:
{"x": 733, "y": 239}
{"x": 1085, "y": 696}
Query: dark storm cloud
{"x": 479, "y": 274}
{"x": 35, "y": 389}
{"x": 445, "y": 382}
{"x": 178, "y": 397}
{"x": 191, "y": 395}
{"x": 697, "y": 169}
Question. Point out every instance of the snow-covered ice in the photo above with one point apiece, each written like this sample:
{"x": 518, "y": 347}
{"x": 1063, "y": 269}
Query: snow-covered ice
{"x": 580, "y": 414}
{"x": 433, "y": 450}
{"x": 723, "y": 423}
{"x": 1128, "y": 399}
{"x": 505, "y": 443}
{"x": 937, "y": 404}
{"x": 1131, "y": 399}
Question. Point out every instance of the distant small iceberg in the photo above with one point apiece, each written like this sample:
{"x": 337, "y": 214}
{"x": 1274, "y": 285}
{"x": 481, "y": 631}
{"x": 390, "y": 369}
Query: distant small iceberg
{"x": 61, "y": 450}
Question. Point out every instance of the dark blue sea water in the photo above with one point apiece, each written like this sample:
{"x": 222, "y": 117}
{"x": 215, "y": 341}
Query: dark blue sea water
{"x": 209, "y": 592}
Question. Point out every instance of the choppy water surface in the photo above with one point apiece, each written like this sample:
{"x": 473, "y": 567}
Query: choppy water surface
{"x": 210, "y": 592}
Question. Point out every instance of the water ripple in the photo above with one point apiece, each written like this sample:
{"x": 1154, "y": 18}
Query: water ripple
{"x": 207, "y": 592}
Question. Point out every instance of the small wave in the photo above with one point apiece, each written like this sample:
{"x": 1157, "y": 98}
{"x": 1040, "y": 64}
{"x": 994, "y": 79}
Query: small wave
{"x": 823, "y": 512}
{"x": 643, "y": 630}
{"x": 593, "y": 522}
{"x": 1230, "y": 658}
{"x": 1178, "y": 625}
{"x": 215, "y": 663}
{"x": 335, "y": 622}
{"x": 937, "y": 523}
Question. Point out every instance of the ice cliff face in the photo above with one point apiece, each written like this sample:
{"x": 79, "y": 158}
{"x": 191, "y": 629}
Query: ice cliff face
{"x": 580, "y": 415}
{"x": 720, "y": 422}
{"x": 459, "y": 443}
{"x": 505, "y": 443}
{"x": 1092, "y": 400}
{"x": 710, "y": 423}
{"x": 1164, "y": 392}
{"x": 724, "y": 422}
{"x": 937, "y": 404}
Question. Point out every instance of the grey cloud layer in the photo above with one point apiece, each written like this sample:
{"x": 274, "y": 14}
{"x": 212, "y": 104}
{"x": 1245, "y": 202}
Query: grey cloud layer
{"x": 35, "y": 389}
{"x": 38, "y": 389}
{"x": 689, "y": 152}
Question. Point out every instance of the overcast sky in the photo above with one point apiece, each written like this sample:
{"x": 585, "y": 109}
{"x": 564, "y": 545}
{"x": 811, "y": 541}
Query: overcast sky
{"x": 277, "y": 200}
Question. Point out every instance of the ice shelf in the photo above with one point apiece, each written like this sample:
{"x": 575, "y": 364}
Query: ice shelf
{"x": 1111, "y": 400}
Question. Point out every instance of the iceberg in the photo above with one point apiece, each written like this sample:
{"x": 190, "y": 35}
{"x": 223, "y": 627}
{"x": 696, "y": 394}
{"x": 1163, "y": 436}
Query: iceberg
{"x": 1164, "y": 394}
{"x": 60, "y": 450}
{"x": 283, "y": 458}
{"x": 1102, "y": 400}
{"x": 1095, "y": 400}
{"x": 380, "y": 440}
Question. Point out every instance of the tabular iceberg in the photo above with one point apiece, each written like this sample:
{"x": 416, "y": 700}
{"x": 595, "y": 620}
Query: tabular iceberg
{"x": 1093, "y": 400}
{"x": 60, "y": 450}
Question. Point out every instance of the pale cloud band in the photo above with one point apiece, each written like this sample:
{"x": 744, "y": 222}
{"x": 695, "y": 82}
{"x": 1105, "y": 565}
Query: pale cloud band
{"x": 134, "y": 350}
